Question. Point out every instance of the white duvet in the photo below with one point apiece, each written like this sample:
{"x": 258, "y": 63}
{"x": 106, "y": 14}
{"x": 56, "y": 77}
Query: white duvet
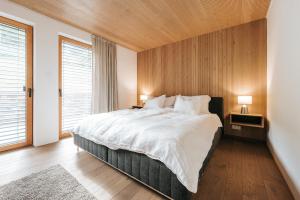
{"x": 180, "y": 141}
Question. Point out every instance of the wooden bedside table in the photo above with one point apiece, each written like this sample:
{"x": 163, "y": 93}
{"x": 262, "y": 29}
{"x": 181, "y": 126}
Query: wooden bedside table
{"x": 136, "y": 107}
{"x": 246, "y": 126}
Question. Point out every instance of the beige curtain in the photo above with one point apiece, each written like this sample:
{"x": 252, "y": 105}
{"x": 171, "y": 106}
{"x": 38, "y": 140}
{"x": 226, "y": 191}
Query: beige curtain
{"x": 105, "y": 89}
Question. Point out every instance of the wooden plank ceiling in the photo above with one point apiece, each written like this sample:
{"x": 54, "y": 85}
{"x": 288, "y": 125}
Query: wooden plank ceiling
{"x": 145, "y": 24}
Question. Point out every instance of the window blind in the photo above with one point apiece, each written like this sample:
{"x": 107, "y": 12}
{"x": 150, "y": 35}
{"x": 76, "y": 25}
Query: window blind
{"x": 12, "y": 85}
{"x": 76, "y": 84}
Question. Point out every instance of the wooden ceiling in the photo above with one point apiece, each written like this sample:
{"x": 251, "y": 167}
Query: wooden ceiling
{"x": 145, "y": 24}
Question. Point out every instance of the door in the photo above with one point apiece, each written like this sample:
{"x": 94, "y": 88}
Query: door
{"x": 75, "y": 83}
{"x": 15, "y": 84}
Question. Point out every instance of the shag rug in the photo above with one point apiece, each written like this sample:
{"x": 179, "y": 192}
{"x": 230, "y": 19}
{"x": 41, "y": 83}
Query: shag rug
{"x": 52, "y": 183}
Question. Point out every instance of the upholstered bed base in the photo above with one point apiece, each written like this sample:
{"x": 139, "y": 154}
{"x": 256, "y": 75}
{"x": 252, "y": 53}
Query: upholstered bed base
{"x": 152, "y": 173}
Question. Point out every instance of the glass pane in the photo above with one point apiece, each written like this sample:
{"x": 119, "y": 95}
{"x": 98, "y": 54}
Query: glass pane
{"x": 12, "y": 84}
{"x": 76, "y": 84}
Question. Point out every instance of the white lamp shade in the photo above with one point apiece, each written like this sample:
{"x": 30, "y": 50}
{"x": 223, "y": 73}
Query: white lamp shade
{"x": 244, "y": 100}
{"x": 143, "y": 97}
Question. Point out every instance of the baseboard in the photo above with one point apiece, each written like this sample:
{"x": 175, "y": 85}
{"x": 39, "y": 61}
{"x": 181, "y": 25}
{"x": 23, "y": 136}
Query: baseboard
{"x": 284, "y": 173}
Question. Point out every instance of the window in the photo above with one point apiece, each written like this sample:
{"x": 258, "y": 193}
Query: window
{"x": 15, "y": 84}
{"x": 75, "y": 87}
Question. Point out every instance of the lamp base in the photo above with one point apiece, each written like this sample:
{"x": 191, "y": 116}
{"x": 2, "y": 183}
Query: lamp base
{"x": 244, "y": 109}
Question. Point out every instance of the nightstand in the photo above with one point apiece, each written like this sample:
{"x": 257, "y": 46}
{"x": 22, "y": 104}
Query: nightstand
{"x": 246, "y": 126}
{"x": 137, "y": 107}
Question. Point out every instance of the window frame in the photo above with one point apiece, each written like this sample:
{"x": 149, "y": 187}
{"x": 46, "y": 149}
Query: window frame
{"x": 29, "y": 82}
{"x": 61, "y": 39}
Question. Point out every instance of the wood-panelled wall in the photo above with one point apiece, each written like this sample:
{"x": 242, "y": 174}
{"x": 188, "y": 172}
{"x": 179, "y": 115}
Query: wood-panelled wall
{"x": 225, "y": 63}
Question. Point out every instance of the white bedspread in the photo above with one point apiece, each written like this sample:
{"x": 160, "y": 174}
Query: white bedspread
{"x": 180, "y": 141}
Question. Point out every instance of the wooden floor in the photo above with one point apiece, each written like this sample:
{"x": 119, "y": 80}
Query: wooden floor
{"x": 237, "y": 170}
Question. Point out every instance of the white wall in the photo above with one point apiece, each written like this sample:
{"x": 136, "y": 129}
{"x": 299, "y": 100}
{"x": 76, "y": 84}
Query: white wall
{"x": 127, "y": 77}
{"x": 284, "y": 87}
{"x": 46, "y": 31}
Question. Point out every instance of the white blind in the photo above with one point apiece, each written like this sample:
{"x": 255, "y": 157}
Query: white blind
{"x": 12, "y": 85}
{"x": 76, "y": 84}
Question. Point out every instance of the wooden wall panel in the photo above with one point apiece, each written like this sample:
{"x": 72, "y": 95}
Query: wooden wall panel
{"x": 225, "y": 63}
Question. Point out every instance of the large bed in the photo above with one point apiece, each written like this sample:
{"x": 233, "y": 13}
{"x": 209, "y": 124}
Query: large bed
{"x": 167, "y": 170}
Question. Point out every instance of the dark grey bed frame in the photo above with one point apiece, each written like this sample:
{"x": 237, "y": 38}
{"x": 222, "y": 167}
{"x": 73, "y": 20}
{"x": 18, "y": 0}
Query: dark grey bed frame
{"x": 150, "y": 172}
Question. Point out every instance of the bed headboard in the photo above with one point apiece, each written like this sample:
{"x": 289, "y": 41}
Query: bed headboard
{"x": 216, "y": 105}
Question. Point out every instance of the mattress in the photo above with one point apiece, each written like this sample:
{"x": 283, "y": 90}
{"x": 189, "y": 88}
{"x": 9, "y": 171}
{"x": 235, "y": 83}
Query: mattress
{"x": 148, "y": 171}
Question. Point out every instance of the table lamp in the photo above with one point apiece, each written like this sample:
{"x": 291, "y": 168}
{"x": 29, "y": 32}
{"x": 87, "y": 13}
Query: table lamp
{"x": 244, "y": 101}
{"x": 143, "y": 98}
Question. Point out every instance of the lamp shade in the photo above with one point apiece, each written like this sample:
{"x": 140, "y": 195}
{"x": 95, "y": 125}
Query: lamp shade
{"x": 143, "y": 97}
{"x": 244, "y": 100}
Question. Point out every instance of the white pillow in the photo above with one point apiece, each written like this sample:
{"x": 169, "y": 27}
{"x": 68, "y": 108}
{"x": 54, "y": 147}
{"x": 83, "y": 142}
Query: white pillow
{"x": 185, "y": 105}
{"x": 192, "y": 104}
{"x": 156, "y": 102}
{"x": 203, "y": 101}
{"x": 169, "y": 102}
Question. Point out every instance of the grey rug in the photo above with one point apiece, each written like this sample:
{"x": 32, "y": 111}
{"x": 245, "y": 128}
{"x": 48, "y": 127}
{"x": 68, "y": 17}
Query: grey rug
{"x": 52, "y": 183}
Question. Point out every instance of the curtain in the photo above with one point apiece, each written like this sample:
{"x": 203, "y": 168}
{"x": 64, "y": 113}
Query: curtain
{"x": 105, "y": 88}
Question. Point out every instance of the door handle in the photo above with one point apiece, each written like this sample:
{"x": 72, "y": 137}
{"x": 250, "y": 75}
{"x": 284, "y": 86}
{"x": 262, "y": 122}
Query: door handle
{"x": 29, "y": 92}
{"x": 60, "y": 92}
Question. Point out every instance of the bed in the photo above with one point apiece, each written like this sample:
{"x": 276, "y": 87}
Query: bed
{"x": 150, "y": 170}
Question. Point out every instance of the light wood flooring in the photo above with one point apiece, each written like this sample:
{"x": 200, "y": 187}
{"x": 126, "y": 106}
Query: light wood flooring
{"x": 237, "y": 170}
